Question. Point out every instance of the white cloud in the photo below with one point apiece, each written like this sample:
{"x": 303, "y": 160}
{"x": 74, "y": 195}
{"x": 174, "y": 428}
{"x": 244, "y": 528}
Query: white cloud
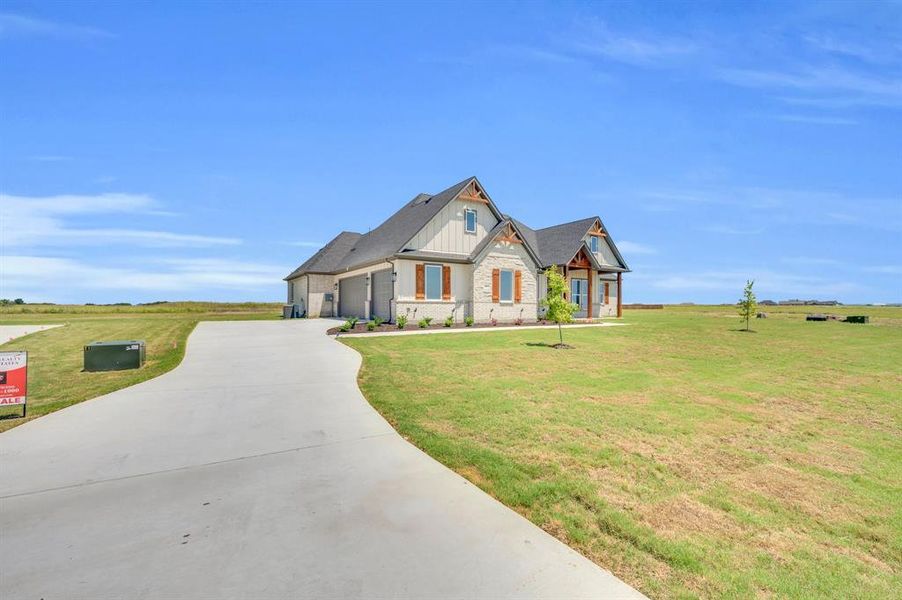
{"x": 635, "y": 248}
{"x": 815, "y": 120}
{"x": 884, "y": 53}
{"x": 12, "y": 25}
{"x": 34, "y": 277}
{"x": 767, "y": 283}
{"x": 306, "y": 244}
{"x": 78, "y": 204}
{"x": 807, "y": 261}
{"x": 885, "y": 269}
{"x": 49, "y": 158}
{"x": 854, "y": 87}
{"x": 730, "y": 230}
{"x": 41, "y": 222}
{"x": 532, "y": 53}
{"x": 155, "y": 239}
{"x": 780, "y": 206}
{"x": 648, "y": 50}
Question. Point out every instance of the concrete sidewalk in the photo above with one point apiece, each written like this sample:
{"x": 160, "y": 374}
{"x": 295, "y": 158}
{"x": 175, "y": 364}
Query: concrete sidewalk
{"x": 257, "y": 470}
{"x": 414, "y": 330}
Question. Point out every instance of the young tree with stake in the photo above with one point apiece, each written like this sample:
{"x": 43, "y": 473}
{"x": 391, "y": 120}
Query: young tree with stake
{"x": 558, "y": 309}
{"x": 748, "y": 304}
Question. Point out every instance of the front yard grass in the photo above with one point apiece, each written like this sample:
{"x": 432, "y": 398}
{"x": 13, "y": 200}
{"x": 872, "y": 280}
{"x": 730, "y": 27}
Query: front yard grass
{"x": 688, "y": 458}
{"x": 55, "y": 356}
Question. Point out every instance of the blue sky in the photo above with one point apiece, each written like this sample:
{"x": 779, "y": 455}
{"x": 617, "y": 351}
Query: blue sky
{"x": 202, "y": 151}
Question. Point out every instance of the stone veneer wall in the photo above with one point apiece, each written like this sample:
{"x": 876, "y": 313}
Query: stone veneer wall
{"x": 504, "y": 256}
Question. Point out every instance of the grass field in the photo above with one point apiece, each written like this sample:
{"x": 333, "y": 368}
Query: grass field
{"x": 55, "y": 357}
{"x": 689, "y": 458}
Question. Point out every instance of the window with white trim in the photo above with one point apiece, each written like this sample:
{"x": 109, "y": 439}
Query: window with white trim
{"x": 593, "y": 244}
{"x": 433, "y": 282}
{"x": 470, "y": 220}
{"x": 507, "y": 286}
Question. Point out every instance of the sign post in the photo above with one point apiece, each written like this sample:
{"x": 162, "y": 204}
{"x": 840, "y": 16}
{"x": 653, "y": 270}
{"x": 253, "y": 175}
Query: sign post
{"x": 14, "y": 379}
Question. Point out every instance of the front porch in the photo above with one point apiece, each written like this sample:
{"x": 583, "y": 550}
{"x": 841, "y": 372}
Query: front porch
{"x": 597, "y": 291}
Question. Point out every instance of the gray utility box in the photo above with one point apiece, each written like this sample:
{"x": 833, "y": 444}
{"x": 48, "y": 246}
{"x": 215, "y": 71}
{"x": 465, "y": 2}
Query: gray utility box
{"x": 114, "y": 356}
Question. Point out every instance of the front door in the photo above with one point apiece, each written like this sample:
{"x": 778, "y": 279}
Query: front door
{"x": 579, "y": 295}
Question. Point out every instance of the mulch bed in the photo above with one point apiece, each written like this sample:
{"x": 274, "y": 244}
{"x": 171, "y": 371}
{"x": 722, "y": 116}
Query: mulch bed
{"x": 361, "y": 326}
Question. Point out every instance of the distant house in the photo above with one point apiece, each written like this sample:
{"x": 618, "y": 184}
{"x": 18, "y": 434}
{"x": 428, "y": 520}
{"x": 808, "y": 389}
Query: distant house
{"x": 456, "y": 254}
{"x": 797, "y": 302}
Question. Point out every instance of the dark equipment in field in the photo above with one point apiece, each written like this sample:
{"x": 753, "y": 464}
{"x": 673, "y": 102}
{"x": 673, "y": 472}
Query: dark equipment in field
{"x": 114, "y": 356}
{"x": 858, "y": 319}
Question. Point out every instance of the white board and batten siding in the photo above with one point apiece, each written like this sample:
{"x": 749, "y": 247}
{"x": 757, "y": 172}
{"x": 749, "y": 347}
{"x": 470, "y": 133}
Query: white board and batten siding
{"x": 605, "y": 254}
{"x": 446, "y": 231}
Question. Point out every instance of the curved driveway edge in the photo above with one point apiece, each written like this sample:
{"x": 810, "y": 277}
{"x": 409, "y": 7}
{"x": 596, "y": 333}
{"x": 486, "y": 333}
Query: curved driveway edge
{"x": 256, "y": 469}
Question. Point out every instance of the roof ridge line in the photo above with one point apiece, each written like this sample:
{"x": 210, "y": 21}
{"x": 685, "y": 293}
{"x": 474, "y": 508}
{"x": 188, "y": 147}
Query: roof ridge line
{"x": 570, "y": 222}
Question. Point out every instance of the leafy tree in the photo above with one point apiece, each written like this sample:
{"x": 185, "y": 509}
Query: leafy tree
{"x": 558, "y": 309}
{"x": 5, "y": 301}
{"x": 748, "y": 304}
{"x": 18, "y": 301}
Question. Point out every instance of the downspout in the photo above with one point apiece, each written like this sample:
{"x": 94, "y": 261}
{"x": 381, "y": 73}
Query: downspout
{"x": 394, "y": 276}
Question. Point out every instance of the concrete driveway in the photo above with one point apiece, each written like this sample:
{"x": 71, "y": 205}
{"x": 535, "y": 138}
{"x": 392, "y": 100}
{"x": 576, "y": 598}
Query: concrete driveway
{"x": 11, "y": 332}
{"x": 257, "y": 470}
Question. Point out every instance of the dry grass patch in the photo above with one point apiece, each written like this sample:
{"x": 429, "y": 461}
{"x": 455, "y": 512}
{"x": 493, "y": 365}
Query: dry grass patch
{"x": 795, "y": 490}
{"x": 684, "y": 516}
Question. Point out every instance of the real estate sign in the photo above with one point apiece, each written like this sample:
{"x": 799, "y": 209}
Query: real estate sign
{"x": 13, "y": 378}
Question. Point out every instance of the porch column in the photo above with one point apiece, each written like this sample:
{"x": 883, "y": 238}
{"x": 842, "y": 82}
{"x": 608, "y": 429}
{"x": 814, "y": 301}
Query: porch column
{"x": 589, "y": 303}
{"x": 619, "y": 294}
{"x": 567, "y": 281}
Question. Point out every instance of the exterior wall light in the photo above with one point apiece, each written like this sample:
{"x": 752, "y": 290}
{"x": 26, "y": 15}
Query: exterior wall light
{"x": 394, "y": 276}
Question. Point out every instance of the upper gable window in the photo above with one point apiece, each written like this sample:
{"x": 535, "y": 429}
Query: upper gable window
{"x": 470, "y": 218}
{"x": 593, "y": 244}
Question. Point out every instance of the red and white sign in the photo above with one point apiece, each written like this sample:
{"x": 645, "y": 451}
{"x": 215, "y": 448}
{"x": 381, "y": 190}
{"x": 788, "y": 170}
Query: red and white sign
{"x": 13, "y": 378}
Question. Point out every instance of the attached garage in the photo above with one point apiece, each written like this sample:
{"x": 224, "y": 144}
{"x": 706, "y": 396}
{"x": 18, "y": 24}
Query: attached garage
{"x": 352, "y": 297}
{"x": 382, "y": 294}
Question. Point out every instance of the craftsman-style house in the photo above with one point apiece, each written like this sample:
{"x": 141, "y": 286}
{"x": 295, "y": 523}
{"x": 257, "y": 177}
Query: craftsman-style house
{"x": 455, "y": 253}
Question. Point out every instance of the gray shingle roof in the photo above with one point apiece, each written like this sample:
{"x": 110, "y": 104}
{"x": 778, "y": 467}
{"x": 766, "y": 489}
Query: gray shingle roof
{"x": 388, "y": 238}
{"x": 329, "y": 256}
{"x": 502, "y": 224}
{"x": 349, "y": 250}
{"x": 558, "y": 244}
{"x": 529, "y": 236}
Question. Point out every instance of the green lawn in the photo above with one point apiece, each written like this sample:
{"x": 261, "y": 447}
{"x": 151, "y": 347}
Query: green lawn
{"x": 689, "y": 458}
{"x": 55, "y": 356}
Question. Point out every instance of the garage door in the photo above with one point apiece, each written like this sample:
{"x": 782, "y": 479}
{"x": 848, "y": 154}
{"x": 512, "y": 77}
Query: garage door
{"x": 351, "y": 296}
{"x": 382, "y": 293}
